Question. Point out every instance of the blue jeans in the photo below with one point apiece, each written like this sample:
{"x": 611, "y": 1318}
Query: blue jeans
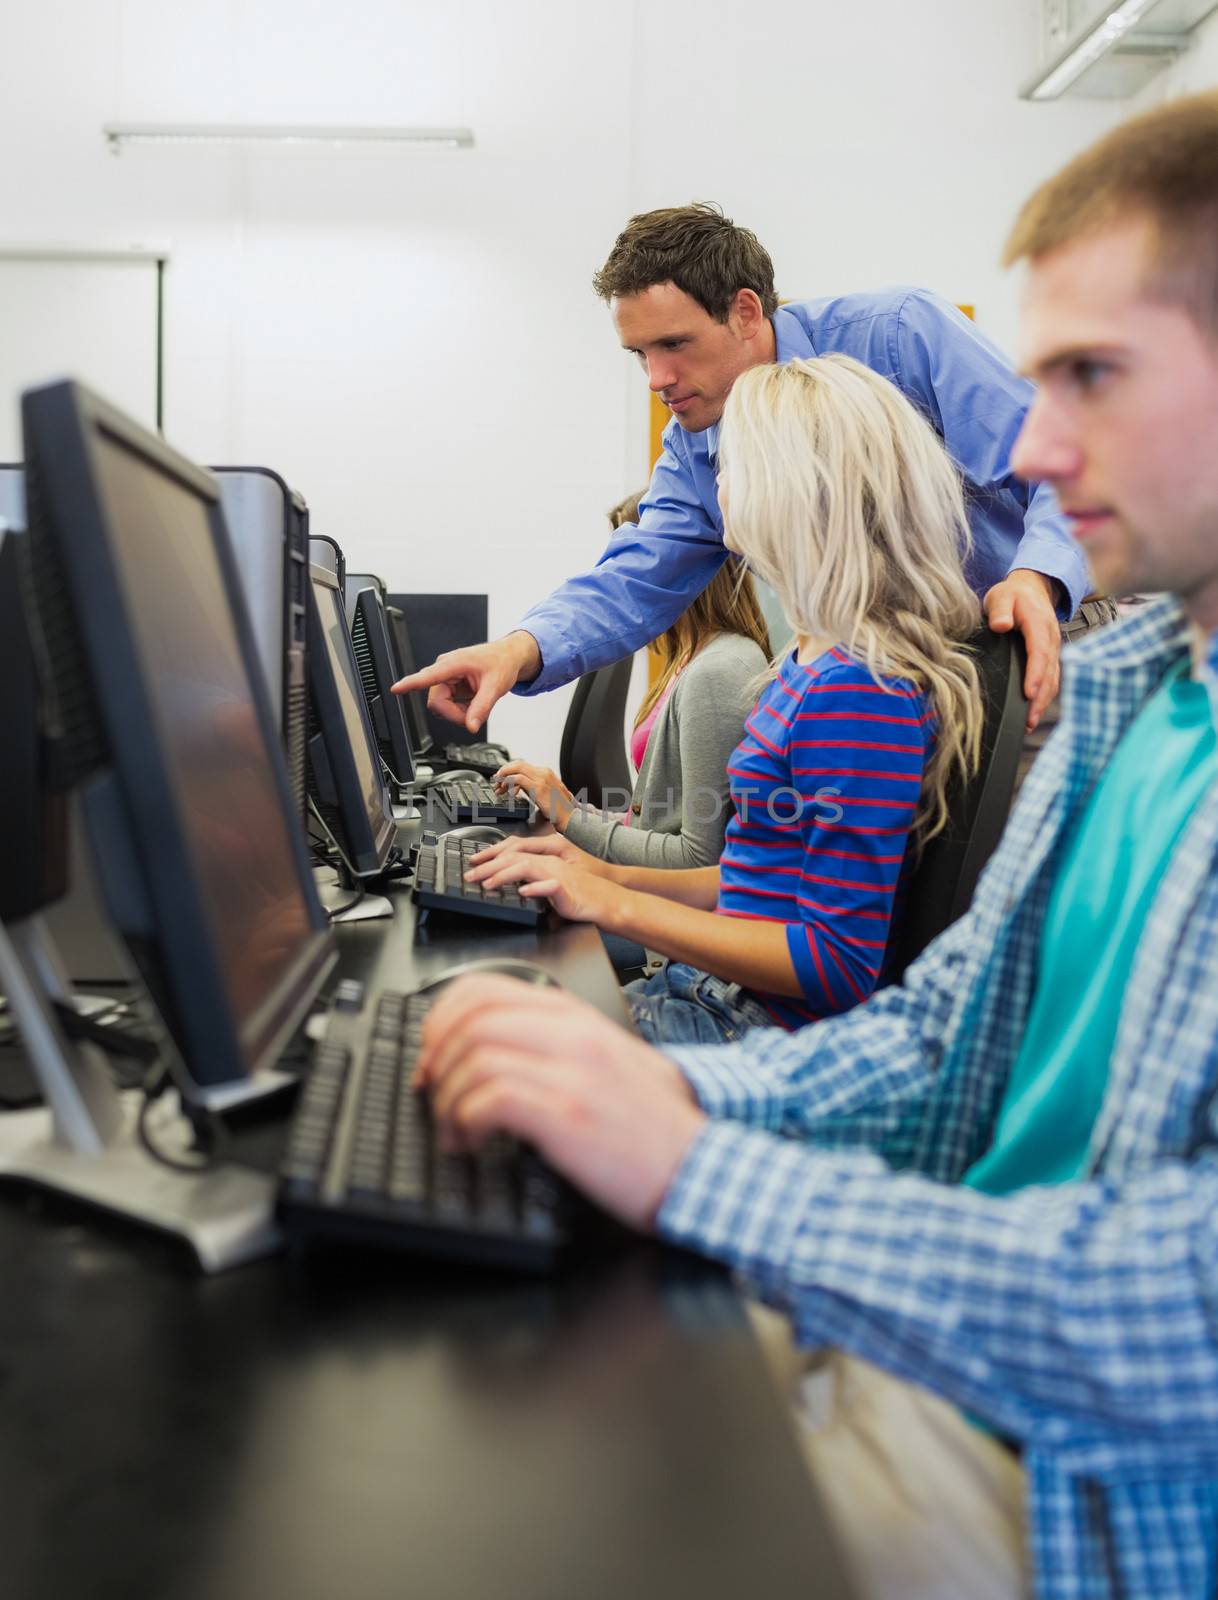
{"x": 681, "y": 1005}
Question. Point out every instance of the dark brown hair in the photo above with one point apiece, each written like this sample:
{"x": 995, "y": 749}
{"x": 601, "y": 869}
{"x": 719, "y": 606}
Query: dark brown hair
{"x": 1163, "y": 166}
{"x": 696, "y": 247}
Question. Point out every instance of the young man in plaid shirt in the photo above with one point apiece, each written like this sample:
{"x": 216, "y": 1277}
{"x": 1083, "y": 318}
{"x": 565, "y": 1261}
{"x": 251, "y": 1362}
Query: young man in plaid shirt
{"x": 993, "y": 1190}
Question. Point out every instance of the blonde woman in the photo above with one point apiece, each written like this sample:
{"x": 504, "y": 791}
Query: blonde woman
{"x": 837, "y": 492}
{"x": 687, "y": 726}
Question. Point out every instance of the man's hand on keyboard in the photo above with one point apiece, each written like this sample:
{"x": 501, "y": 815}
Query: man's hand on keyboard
{"x": 465, "y": 684}
{"x": 611, "y": 1114}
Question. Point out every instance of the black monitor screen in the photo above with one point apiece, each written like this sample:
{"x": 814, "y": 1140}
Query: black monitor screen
{"x": 184, "y": 632}
{"x": 351, "y": 696}
{"x": 416, "y": 700}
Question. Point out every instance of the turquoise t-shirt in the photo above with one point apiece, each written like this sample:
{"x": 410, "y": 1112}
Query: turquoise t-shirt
{"x": 1110, "y": 874}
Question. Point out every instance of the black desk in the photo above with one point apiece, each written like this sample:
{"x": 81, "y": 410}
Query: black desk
{"x": 357, "y": 1427}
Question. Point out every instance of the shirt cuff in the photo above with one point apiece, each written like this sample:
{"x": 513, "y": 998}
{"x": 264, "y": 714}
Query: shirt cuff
{"x": 744, "y": 1198}
{"x": 726, "y": 1084}
{"x": 555, "y": 649}
{"x": 588, "y": 831}
{"x": 1053, "y": 560}
{"x": 815, "y": 993}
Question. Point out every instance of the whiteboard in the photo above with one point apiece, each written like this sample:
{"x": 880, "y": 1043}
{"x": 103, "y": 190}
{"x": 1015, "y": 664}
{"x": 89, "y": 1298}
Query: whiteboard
{"x": 86, "y": 317}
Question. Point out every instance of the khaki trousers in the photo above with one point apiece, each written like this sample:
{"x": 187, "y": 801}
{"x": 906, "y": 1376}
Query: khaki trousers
{"x": 924, "y": 1505}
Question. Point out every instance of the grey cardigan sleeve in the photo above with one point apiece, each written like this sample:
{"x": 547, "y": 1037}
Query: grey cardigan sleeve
{"x": 685, "y": 767}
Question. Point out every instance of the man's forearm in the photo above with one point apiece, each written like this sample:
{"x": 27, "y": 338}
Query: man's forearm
{"x": 1028, "y": 1309}
{"x": 641, "y": 585}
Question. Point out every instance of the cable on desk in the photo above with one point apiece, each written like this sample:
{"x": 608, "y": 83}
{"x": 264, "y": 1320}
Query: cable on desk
{"x": 331, "y": 840}
{"x": 209, "y": 1133}
{"x": 335, "y": 912}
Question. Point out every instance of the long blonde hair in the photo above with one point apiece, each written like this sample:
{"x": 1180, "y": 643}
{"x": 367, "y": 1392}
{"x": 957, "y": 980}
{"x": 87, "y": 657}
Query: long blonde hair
{"x": 839, "y": 494}
{"x": 728, "y": 604}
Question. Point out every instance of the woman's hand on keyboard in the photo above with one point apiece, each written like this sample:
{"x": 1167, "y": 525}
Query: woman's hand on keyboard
{"x": 606, "y": 1110}
{"x": 544, "y": 788}
{"x": 552, "y": 845}
{"x": 575, "y": 893}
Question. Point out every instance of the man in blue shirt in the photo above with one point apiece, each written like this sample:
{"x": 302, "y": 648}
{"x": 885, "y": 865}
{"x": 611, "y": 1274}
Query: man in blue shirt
{"x": 692, "y": 297}
{"x": 996, "y": 1185}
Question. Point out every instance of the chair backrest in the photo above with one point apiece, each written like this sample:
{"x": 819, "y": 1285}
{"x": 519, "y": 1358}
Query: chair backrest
{"x": 942, "y": 885}
{"x": 593, "y": 752}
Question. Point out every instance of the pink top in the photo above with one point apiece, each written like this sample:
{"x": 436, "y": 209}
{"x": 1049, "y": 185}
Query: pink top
{"x": 638, "y": 739}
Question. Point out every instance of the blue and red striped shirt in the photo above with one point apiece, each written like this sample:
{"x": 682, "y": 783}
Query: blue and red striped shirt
{"x": 825, "y": 787}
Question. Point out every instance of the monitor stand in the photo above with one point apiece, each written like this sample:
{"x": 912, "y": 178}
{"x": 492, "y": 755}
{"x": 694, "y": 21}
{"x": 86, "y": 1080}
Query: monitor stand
{"x": 83, "y": 1142}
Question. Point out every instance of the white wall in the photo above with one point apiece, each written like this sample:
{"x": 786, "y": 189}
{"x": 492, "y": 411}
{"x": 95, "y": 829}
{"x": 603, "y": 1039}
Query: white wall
{"x": 410, "y": 336}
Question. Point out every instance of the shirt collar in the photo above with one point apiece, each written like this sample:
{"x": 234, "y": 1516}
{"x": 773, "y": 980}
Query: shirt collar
{"x": 792, "y": 341}
{"x": 1125, "y": 657}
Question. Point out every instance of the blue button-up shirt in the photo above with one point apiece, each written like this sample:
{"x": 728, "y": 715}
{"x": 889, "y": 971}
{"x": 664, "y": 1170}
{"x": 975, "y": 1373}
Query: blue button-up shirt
{"x": 1079, "y": 1319}
{"x": 934, "y": 355}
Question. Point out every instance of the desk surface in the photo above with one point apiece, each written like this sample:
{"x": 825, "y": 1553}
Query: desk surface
{"x": 366, "y": 1427}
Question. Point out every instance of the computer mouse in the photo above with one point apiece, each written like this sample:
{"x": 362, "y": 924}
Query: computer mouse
{"x": 479, "y": 832}
{"x": 507, "y": 966}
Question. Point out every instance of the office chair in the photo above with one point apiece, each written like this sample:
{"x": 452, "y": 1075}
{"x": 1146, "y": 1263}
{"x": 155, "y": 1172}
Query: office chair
{"x": 943, "y": 882}
{"x": 593, "y": 752}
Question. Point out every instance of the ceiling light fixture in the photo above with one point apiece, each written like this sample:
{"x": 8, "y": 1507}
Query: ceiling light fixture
{"x": 120, "y": 133}
{"x": 1100, "y": 36}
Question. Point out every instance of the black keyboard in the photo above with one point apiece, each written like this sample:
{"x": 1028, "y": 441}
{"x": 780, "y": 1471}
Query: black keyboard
{"x": 487, "y": 758}
{"x": 439, "y": 884}
{"x": 362, "y": 1160}
{"x": 470, "y": 800}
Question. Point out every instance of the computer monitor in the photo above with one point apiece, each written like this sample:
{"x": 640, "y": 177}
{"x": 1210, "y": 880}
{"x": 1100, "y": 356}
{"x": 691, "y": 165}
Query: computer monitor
{"x": 416, "y": 700}
{"x": 268, "y": 524}
{"x": 346, "y": 781}
{"x": 353, "y": 582}
{"x": 156, "y": 699}
{"x": 378, "y": 674}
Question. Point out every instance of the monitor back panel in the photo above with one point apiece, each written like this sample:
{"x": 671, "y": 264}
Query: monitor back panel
{"x": 269, "y": 528}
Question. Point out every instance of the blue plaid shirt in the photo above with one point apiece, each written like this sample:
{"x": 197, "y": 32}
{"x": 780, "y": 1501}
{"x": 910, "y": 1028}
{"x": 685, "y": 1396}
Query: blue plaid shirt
{"x": 1081, "y": 1320}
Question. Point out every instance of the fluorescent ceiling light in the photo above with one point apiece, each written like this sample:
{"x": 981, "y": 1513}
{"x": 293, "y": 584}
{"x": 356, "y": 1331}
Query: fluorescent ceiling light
{"x": 1108, "y": 29}
{"x": 120, "y": 133}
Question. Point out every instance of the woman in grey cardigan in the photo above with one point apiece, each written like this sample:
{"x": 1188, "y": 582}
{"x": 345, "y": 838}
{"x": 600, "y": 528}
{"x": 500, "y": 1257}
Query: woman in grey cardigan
{"x": 712, "y": 659}
{"x": 681, "y": 804}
